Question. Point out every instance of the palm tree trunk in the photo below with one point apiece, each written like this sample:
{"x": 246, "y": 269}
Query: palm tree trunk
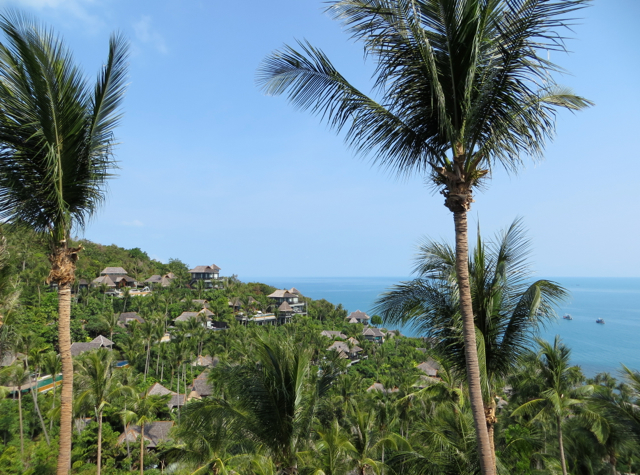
{"x": 146, "y": 364}
{"x": 20, "y": 416}
{"x": 470, "y": 348}
{"x": 99, "y": 443}
{"x": 142, "y": 449}
{"x": 491, "y": 420}
{"x": 34, "y": 395}
{"x": 561, "y": 444}
{"x": 66, "y": 405}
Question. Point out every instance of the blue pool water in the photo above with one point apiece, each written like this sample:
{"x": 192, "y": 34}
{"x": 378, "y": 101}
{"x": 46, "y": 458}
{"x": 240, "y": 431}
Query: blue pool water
{"x": 595, "y": 348}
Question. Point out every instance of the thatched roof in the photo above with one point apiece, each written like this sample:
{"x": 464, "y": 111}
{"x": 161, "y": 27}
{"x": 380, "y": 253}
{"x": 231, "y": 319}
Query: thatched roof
{"x": 126, "y": 317}
{"x": 342, "y": 346}
{"x": 212, "y": 269}
{"x": 154, "y": 279}
{"x": 281, "y": 294}
{"x": 295, "y": 291}
{"x": 374, "y": 332}
{"x": 380, "y": 387}
{"x": 206, "y": 361}
{"x": 113, "y": 271}
{"x": 285, "y": 307}
{"x": 333, "y": 334}
{"x": 80, "y": 347}
{"x": 186, "y": 316}
{"x": 102, "y": 341}
{"x": 201, "y": 386}
{"x": 359, "y": 315}
{"x": 154, "y": 432}
{"x": 158, "y": 390}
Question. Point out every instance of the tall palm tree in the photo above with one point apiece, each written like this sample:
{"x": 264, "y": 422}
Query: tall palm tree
{"x": 508, "y": 308}
{"x": 142, "y": 411}
{"x": 17, "y": 376}
{"x": 98, "y": 387}
{"x": 56, "y": 142}
{"x": 463, "y": 85}
{"x": 272, "y": 402}
{"x": 560, "y": 392}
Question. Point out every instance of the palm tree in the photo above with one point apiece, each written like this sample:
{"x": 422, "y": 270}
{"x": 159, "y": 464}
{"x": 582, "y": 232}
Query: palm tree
{"x": 56, "y": 136}
{"x": 508, "y": 308}
{"x": 559, "y": 393}
{"x": 110, "y": 320}
{"x": 143, "y": 410}
{"x": 333, "y": 449}
{"x": 202, "y": 444}
{"x": 17, "y": 376}
{"x": 464, "y": 85}
{"x": 272, "y": 402}
{"x": 98, "y": 387}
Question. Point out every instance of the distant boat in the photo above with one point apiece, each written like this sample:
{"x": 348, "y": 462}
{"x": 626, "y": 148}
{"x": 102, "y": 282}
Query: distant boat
{"x": 568, "y": 317}
{"x": 600, "y": 320}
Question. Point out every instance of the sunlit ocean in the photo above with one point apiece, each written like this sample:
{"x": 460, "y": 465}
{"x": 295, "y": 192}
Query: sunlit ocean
{"x": 596, "y": 348}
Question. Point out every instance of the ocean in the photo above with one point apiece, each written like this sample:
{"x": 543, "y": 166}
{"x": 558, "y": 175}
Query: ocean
{"x": 595, "y": 348}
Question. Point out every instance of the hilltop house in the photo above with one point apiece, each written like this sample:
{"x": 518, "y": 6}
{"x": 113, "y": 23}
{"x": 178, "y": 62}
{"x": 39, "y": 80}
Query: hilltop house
{"x": 126, "y": 318}
{"x": 98, "y": 342}
{"x": 114, "y": 278}
{"x": 159, "y": 390}
{"x": 358, "y": 317}
{"x": 333, "y": 334}
{"x": 373, "y": 334}
{"x": 207, "y": 274}
{"x": 201, "y": 387}
{"x": 160, "y": 280}
{"x": 430, "y": 367}
{"x": 292, "y": 300}
{"x": 344, "y": 351}
{"x": 154, "y": 433}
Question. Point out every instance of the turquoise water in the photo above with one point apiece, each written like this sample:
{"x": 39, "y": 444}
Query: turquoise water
{"x": 595, "y": 348}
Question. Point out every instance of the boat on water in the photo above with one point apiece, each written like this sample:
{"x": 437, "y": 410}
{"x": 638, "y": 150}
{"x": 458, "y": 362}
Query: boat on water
{"x": 567, "y": 317}
{"x": 600, "y": 320}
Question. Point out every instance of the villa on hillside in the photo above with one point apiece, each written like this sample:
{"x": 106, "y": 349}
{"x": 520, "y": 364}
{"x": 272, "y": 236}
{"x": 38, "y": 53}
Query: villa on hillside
{"x": 358, "y": 317}
{"x": 159, "y": 390}
{"x": 344, "y": 351}
{"x": 160, "y": 280}
{"x": 373, "y": 334}
{"x": 430, "y": 367}
{"x": 154, "y": 433}
{"x": 292, "y": 299}
{"x": 333, "y": 334}
{"x": 114, "y": 278}
{"x": 206, "y": 274}
{"x": 98, "y": 342}
{"x": 127, "y": 317}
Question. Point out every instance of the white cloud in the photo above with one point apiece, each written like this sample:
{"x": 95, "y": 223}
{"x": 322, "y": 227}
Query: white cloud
{"x": 136, "y": 223}
{"x": 78, "y": 9}
{"x": 146, "y": 34}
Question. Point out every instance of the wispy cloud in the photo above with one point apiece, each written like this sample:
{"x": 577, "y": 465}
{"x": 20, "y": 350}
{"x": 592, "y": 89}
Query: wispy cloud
{"x": 136, "y": 223}
{"x": 146, "y": 34}
{"x": 77, "y": 9}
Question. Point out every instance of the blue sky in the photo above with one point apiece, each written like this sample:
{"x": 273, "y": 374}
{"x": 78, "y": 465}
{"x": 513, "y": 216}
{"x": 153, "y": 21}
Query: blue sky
{"x": 213, "y": 171}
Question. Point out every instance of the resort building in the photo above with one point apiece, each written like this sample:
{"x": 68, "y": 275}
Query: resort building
{"x": 358, "y": 317}
{"x": 97, "y": 342}
{"x": 292, "y": 300}
{"x": 160, "y": 280}
{"x": 430, "y": 367}
{"x": 346, "y": 351}
{"x": 127, "y": 317}
{"x": 114, "y": 278}
{"x": 207, "y": 274}
{"x": 154, "y": 433}
{"x": 333, "y": 334}
{"x": 373, "y": 334}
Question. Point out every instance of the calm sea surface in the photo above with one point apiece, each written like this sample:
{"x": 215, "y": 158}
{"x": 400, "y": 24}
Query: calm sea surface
{"x": 595, "y": 347}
